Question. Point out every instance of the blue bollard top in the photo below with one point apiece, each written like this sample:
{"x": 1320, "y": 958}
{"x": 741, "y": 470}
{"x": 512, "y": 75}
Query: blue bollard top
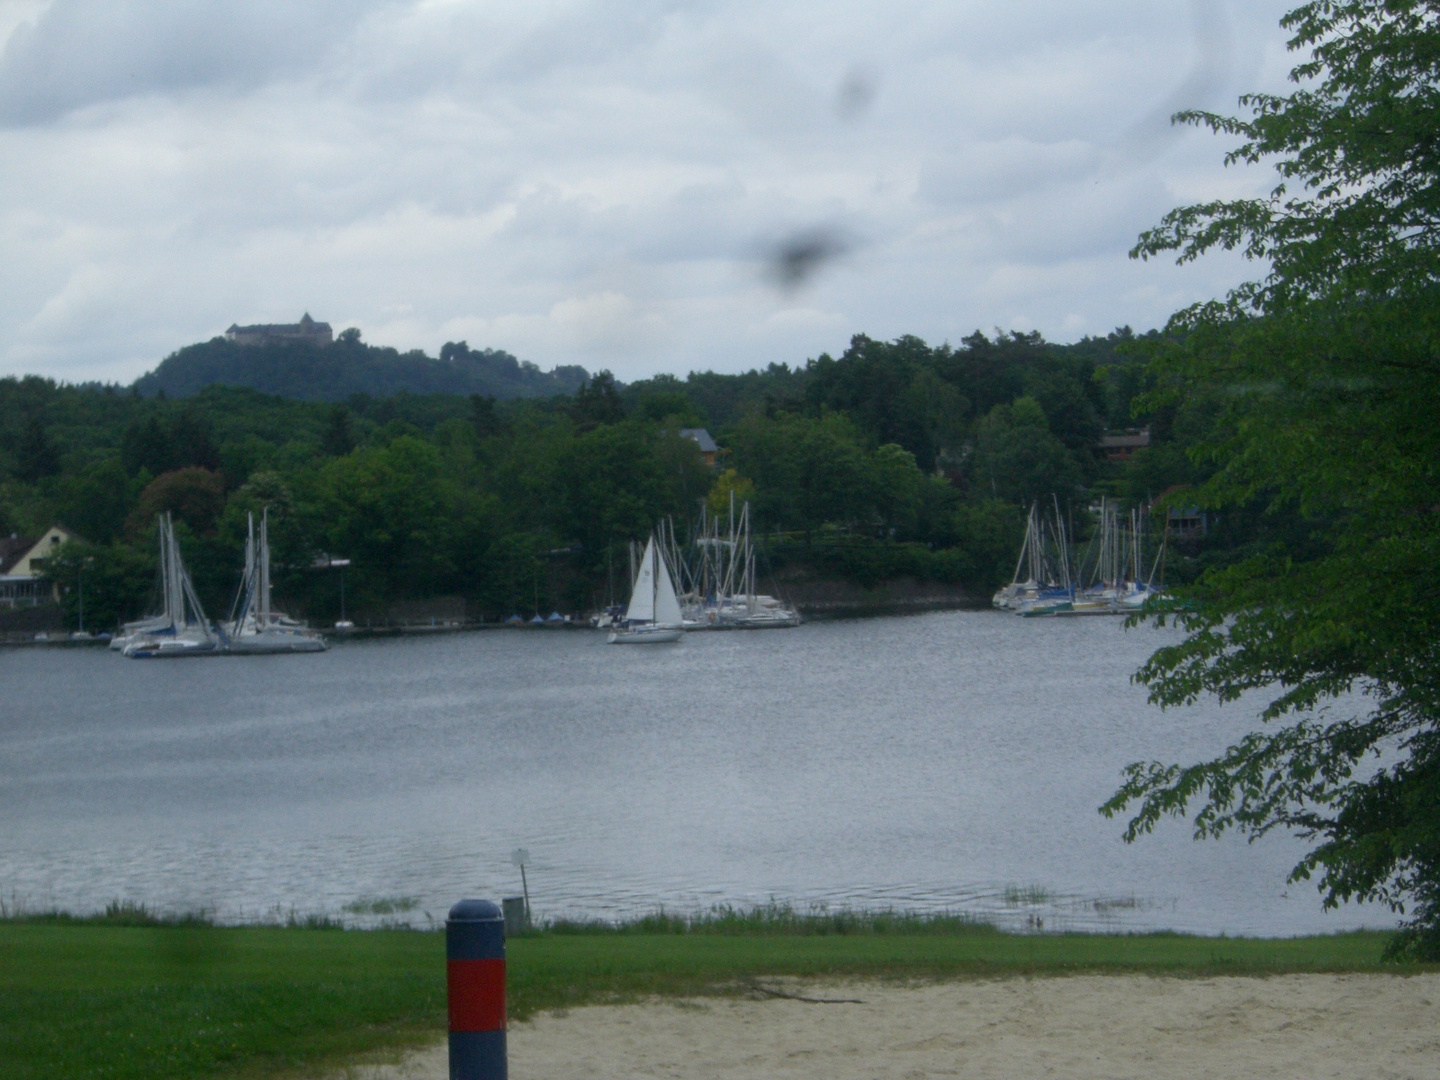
{"x": 475, "y": 911}
{"x": 475, "y": 930}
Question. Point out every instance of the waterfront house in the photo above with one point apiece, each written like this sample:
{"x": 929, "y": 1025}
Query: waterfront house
{"x": 22, "y": 567}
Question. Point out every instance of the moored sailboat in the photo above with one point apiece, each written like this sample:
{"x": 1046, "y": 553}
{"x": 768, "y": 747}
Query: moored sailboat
{"x": 182, "y": 630}
{"x": 254, "y": 627}
{"x": 722, "y": 595}
{"x": 654, "y": 615}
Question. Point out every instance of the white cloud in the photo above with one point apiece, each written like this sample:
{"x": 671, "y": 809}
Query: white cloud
{"x": 600, "y": 183}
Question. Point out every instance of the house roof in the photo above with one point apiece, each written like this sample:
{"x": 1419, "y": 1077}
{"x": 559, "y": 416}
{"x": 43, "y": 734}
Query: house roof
{"x": 12, "y": 549}
{"x": 702, "y": 437}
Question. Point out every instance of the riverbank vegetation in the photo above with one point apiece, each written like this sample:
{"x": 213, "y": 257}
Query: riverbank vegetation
{"x": 131, "y": 996}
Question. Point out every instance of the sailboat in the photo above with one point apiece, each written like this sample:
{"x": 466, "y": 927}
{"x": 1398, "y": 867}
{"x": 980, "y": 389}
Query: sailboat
{"x": 654, "y": 612}
{"x": 1046, "y": 587}
{"x": 254, "y": 627}
{"x": 723, "y": 596}
{"x": 138, "y": 628}
{"x": 1116, "y": 579}
{"x": 183, "y": 629}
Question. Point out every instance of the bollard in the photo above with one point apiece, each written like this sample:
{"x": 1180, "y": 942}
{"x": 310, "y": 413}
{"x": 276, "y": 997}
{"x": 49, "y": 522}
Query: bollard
{"x": 475, "y": 975}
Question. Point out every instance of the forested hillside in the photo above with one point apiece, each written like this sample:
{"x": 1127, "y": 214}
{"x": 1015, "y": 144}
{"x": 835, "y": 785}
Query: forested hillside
{"x": 896, "y": 459}
{"x": 308, "y": 372}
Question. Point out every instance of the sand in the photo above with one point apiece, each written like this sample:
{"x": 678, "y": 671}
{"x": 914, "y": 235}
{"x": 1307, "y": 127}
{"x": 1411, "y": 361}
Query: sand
{"x": 1101, "y": 1027}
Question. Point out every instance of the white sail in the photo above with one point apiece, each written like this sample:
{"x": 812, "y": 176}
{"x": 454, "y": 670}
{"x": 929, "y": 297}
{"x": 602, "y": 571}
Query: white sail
{"x": 667, "y": 605}
{"x": 642, "y": 599}
{"x": 654, "y": 611}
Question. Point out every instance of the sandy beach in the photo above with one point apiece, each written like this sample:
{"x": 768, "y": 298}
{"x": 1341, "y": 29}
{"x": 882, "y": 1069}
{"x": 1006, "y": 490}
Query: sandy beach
{"x": 1077, "y": 1028}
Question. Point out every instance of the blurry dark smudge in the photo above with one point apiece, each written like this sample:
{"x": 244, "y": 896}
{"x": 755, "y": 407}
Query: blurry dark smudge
{"x": 799, "y": 257}
{"x": 856, "y": 94}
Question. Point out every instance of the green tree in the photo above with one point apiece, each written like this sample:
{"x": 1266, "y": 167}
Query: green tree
{"x": 160, "y": 448}
{"x": 1328, "y": 367}
{"x": 338, "y": 439}
{"x": 35, "y": 456}
{"x": 598, "y": 402}
{"x": 611, "y": 484}
{"x": 116, "y": 580}
{"x": 1017, "y": 459}
{"x": 392, "y": 510}
{"x": 808, "y": 471}
{"x": 898, "y": 484}
{"x": 990, "y": 532}
{"x": 483, "y": 415}
{"x": 95, "y": 501}
{"x": 146, "y": 446}
{"x": 894, "y": 392}
{"x": 729, "y": 488}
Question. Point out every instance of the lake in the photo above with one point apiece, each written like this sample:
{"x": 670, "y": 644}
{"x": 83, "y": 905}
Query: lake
{"x": 949, "y": 761}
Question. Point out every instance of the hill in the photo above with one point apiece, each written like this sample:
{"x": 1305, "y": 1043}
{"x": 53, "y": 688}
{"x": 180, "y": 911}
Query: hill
{"x": 305, "y": 372}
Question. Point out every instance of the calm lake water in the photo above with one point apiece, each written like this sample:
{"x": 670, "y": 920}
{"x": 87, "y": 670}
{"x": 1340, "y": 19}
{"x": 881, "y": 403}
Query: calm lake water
{"x": 950, "y": 761}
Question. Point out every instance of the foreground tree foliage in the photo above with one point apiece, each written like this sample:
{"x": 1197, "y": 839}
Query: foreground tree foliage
{"x": 1329, "y": 374}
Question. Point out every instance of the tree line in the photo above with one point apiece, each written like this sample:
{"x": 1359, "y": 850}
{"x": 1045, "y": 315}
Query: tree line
{"x": 895, "y": 458}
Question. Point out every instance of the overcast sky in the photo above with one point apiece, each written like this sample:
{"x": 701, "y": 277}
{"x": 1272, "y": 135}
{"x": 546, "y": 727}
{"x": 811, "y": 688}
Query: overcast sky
{"x": 609, "y": 184}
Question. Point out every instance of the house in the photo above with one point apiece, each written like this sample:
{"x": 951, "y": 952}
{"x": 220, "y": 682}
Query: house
{"x": 22, "y": 567}
{"x": 307, "y": 332}
{"x": 1121, "y": 445}
{"x": 1186, "y": 523}
{"x": 708, "y": 450}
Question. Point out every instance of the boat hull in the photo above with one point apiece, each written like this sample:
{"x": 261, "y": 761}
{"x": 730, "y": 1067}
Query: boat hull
{"x": 645, "y": 636}
{"x": 269, "y": 644}
{"x": 169, "y": 649}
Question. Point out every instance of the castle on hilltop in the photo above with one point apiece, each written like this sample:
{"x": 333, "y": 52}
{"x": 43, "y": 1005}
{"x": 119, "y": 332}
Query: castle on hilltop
{"x": 307, "y": 331}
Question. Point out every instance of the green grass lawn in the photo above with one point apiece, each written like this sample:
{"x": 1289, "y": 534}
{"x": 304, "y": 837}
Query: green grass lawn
{"x": 92, "y": 1000}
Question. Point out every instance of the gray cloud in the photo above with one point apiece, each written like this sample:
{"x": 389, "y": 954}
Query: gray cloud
{"x": 84, "y": 52}
{"x": 604, "y": 183}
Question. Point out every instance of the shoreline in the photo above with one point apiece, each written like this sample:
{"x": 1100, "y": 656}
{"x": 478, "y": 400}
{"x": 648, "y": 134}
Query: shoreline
{"x": 851, "y": 603}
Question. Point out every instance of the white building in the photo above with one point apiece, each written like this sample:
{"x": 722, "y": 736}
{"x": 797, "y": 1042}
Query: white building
{"x": 22, "y": 567}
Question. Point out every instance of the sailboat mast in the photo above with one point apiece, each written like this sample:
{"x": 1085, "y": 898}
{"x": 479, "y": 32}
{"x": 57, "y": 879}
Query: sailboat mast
{"x": 174, "y": 591}
{"x": 264, "y": 619}
{"x": 164, "y": 568}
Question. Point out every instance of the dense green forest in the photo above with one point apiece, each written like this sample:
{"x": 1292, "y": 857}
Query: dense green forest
{"x": 894, "y": 460}
{"x": 332, "y": 373}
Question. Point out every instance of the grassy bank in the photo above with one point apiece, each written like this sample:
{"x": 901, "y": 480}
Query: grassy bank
{"x": 90, "y": 999}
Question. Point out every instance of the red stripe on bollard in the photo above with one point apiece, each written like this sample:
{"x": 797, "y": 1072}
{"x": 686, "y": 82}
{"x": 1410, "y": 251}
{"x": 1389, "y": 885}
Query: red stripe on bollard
{"x": 477, "y": 994}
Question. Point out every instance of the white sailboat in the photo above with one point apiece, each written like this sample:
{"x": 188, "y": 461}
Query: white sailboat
{"x": 654, "y": 612}
{"x": 254, "y": 627}
{"x": 723, "y": 596}
{"x": 1047, "y": 588}
{"x": 184, "y": 630}
{"x": 138, "y": 628}
{"x": 1116, "y": 586}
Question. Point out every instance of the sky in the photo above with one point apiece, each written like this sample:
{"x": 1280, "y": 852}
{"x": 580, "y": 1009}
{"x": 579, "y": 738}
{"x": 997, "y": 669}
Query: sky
{"x": 643, "y": 186}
